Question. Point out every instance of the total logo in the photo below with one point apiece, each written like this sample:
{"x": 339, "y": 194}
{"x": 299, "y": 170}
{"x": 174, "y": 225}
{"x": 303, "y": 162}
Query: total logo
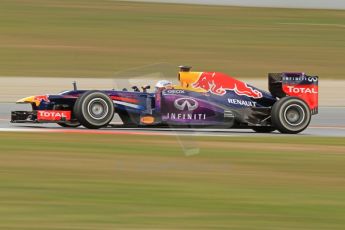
{"x": 297, "y": 90}
{"x": 53, "y": 115}
{"x": 186, "y": 104}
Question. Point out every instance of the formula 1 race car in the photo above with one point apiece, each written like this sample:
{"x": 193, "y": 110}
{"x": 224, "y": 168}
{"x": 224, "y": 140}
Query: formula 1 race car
{"x": 202, "y": 99}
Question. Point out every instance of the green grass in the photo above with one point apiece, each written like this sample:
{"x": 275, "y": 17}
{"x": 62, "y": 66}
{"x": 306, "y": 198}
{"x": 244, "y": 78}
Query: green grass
{"x": 73, "y": 181}
{"x": 90, "y": 38}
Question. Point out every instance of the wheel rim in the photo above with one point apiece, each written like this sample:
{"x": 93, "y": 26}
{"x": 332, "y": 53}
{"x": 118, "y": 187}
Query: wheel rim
{"x": 98, "y": 108}
{"x": 294, "y": 115}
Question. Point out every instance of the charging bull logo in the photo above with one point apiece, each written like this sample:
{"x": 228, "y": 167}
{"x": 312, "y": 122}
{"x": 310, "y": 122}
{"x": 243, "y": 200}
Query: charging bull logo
{"x": 218, "y": 83}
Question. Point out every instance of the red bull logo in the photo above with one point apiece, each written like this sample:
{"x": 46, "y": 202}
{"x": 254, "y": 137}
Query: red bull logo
{"x": 42, "y": 98}
{"x": 218, "y": 83}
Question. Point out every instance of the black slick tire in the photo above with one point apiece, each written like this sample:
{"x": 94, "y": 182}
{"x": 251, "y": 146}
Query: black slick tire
{"x": 290, "y": 115}
{"x": 94, "y": 109}
{"x": 263, "y": 129}
{"x": 69, "y": 124}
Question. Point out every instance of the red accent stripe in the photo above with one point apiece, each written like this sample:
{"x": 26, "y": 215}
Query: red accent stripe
{"x": 125, "y": 99}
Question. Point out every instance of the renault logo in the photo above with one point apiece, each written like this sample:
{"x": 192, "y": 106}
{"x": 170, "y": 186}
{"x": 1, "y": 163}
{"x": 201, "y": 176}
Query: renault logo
{"x": 186, "y": 103}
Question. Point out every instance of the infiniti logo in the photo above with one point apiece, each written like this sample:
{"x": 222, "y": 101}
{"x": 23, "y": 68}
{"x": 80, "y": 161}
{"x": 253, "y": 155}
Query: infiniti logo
{"x": 183, "y": 103}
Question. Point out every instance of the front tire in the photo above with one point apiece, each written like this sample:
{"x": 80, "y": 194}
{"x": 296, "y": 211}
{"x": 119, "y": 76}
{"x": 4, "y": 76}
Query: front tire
{"x": 290, "y": 115}
{"x": 94, "y": 109}
{"x": 69, "y": 124}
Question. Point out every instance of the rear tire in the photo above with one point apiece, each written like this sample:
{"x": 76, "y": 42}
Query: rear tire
{"x": 94, "y": 109}
{"x": 290, "y": 115}
{"x": 263, "y": 129}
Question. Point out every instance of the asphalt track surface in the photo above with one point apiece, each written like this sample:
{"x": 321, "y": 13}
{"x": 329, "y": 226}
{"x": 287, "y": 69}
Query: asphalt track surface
{"x": 329, "y": 122}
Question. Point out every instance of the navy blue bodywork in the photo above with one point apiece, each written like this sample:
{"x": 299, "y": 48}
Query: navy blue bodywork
{"x": 176, "y": 107}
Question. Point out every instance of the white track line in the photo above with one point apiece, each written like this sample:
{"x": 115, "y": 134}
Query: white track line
{"x": 158, "y": 131}
{"x": 23, "y": 130}
{"x": 120, "y": 132}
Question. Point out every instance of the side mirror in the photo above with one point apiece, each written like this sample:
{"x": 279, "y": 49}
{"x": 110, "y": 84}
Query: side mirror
{"x": 145, "y": 88}
{"x": 135, "y": 88}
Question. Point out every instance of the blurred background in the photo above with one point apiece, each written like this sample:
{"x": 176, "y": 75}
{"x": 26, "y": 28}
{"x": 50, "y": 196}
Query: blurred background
{"x": 150, "y": 181}
{"x": 88, "y": 38}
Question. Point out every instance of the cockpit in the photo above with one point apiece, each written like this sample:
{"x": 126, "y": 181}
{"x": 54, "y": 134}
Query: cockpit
{"x": 186, "y": 79}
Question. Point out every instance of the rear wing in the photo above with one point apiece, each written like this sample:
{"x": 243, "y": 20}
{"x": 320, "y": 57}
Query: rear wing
{"x": 297, "y": 85}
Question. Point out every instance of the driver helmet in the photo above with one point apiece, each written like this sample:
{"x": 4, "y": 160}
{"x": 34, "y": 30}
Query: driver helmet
{"x": 163, "y": 84}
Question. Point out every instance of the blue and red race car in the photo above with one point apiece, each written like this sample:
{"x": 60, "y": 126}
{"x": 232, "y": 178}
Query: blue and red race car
{"x": 202, "y": 99}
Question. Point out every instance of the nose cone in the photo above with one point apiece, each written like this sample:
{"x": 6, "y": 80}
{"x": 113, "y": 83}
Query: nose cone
{"x": 30, "y": 99}
{"x": 34, "y": 99}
